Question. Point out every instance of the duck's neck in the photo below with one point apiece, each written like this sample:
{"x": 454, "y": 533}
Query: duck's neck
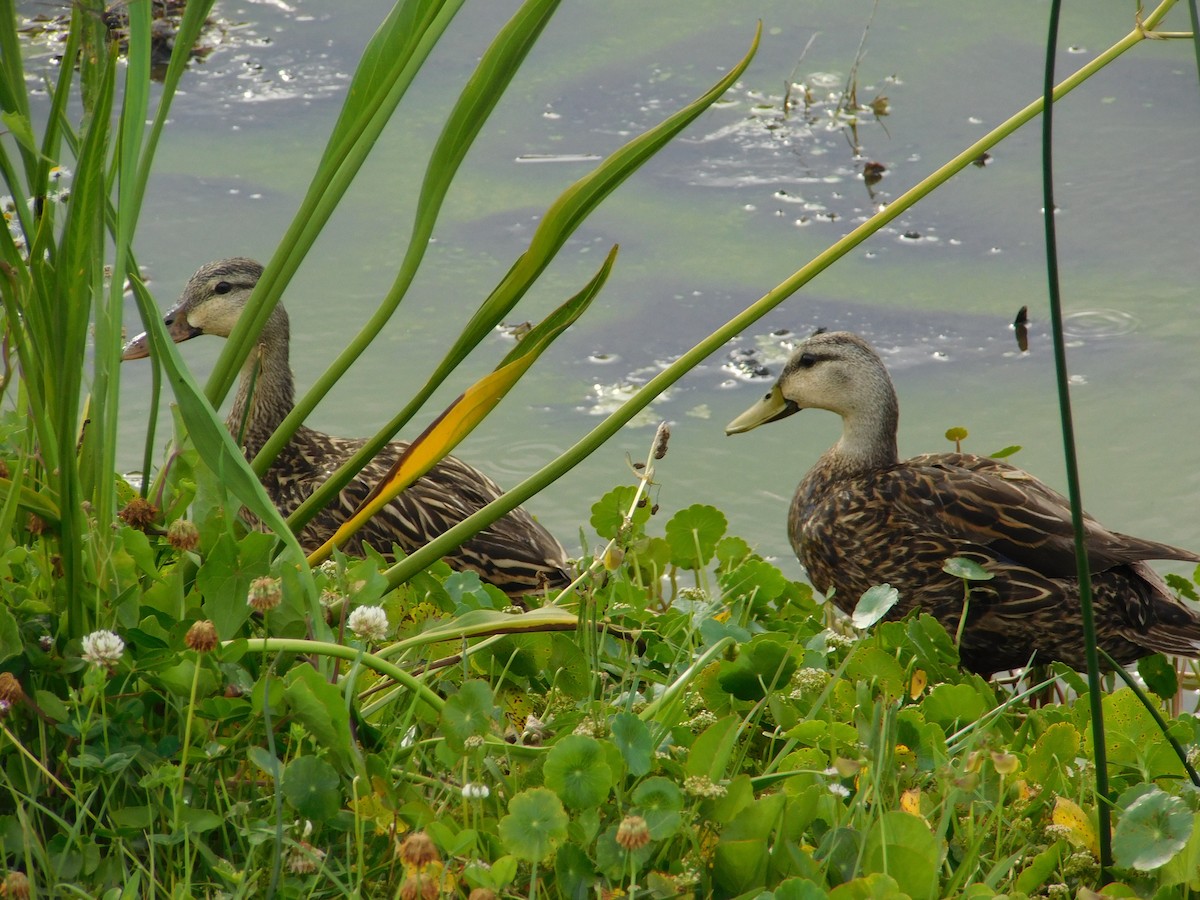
{"x": 868, "y": 441}
{"x": 265, "y": 392}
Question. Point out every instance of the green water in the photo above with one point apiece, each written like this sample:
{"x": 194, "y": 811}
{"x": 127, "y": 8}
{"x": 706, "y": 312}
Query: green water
{"x": 704, "y": 230}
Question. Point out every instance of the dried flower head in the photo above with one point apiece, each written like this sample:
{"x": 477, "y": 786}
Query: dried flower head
{"x": 661, "y": 436}
{"x": 183, "y": 535}
{"x": 265, "y": 594}
{"x": 304, "y": 858}
{"x": 103, "y": 649}
{"x": 418, "y": 850}
{"x": 139, "y": 513}
{"x": 419, "y": 886}
{"x": 16, "y": 886}
{"x": 633, "y": 833}
{"x": 369, "y": 623}
{"x": 202, "y": 636}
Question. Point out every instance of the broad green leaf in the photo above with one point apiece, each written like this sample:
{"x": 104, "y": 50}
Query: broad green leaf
{"x": 536, "y": 823}
{"x": 967, "y": 569}
{"x": 1153, "y": 827}
{"x": 1055, "y": 749}
{"x": 614, "y": 861}
{"x": 874, "y": 604}
{"x": 1040, "y": 868}
{"x": 711, "y": 751}
{"x": 578, "y": 772}
{"x": 312, "y": 787}
{"x": 472, "y": 712}
{"x": 763, "y": 664}
{"x": 574, "y": 871}
{"x": 693, "y": 534}
{"x": 608, "y": 513}
{"x": 870, "y": 664}
{"x": 632, "y": 738}
{"x": 956, "y": 704}
{"x": 659, "y": 801}
{"x": 11, "y": 644}
{"x": 224, "y": 579}
{"x": 902, "y": 846}
{"x": 1160, "y": 676}
{"x": 321, "y": 709}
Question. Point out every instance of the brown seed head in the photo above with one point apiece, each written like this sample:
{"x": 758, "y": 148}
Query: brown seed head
{"x": 139, "y": 513}
{"x": 202, "y": 636}
{"x": 265, "y": 594}
{"x": 183, "y": 535}
{"x": 10, "y": 689}
{"x": 419, "y": 887}
{"x": 418, "y": 850}
{"x": 16, "y": 886}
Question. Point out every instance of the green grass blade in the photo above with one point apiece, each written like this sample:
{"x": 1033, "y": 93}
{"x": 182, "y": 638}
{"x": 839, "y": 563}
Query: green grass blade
{"x": 352, "y": 141}
{"x": 466, "y": 412}
{"x": 560, "y": 221}
{"x": 476, "y": 102}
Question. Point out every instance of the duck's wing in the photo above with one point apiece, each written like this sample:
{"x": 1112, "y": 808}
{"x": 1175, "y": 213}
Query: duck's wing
{"x": 514, "y": 553}
{"x": 995, "y": 505}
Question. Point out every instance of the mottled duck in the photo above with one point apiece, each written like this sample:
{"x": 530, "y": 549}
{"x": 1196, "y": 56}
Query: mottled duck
{"x": 515, "y": 553}
{"x": 863, "y": 517}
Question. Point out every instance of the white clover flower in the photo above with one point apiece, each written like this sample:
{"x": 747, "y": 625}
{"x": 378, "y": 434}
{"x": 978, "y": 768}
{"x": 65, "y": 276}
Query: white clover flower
{"x": 839, "y": 790}
{"x": 103, "y": 648}
{"x": 473, "y": 790}
{"x": 369, "y": 623}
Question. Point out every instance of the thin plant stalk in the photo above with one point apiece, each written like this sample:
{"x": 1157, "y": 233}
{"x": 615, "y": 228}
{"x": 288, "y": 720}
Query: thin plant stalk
{"x": 1074, "y": 491}
{"x": 556, "y": 468}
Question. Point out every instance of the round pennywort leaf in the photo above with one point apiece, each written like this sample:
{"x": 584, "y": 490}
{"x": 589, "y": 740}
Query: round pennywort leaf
{"x": 535, "y": 823}
{"x": 577, "y": 771}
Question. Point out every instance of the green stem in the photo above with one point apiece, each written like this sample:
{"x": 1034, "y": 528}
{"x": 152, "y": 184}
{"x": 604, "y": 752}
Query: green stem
{"x": 338, "y": 651}
{"x": 187, "y": 740}
{"x": 436, "y": 549}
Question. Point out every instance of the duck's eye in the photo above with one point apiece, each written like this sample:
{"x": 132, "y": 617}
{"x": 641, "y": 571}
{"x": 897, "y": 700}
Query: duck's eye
{"x": 222, "y": 287}
{"x": 807, "y": 361}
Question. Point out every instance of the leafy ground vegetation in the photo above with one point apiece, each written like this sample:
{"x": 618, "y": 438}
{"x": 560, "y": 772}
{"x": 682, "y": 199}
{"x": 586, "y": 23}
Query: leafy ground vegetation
{"x": 191, "y": 708}
{"x": 700, "y": 728}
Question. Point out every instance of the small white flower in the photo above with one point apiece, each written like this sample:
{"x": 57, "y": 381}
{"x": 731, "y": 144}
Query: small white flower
{"x": 369, "y": 623}
{"x": 103, "y": 648}
{"x": 839, "y": 789}
{"x": 473, "y": 790}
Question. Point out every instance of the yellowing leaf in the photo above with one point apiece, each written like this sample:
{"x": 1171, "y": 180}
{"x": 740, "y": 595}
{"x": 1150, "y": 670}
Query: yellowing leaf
{"x": 916, "y": 685}
{"x": 1078, "y": 825}
{"x": 910, "y": 802}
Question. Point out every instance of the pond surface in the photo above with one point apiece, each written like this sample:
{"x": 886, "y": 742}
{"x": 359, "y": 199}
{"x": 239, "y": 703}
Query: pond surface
{"x": 745, "y": 197}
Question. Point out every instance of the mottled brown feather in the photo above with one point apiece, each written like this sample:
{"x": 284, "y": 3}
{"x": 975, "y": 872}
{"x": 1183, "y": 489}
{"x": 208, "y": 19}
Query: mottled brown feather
{"x": 861, "y": 517}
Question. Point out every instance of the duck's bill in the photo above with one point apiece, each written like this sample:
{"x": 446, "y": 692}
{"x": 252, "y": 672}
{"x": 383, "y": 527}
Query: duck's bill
{"x": 770, "y": 408}
{"x": 178, "y": 329}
